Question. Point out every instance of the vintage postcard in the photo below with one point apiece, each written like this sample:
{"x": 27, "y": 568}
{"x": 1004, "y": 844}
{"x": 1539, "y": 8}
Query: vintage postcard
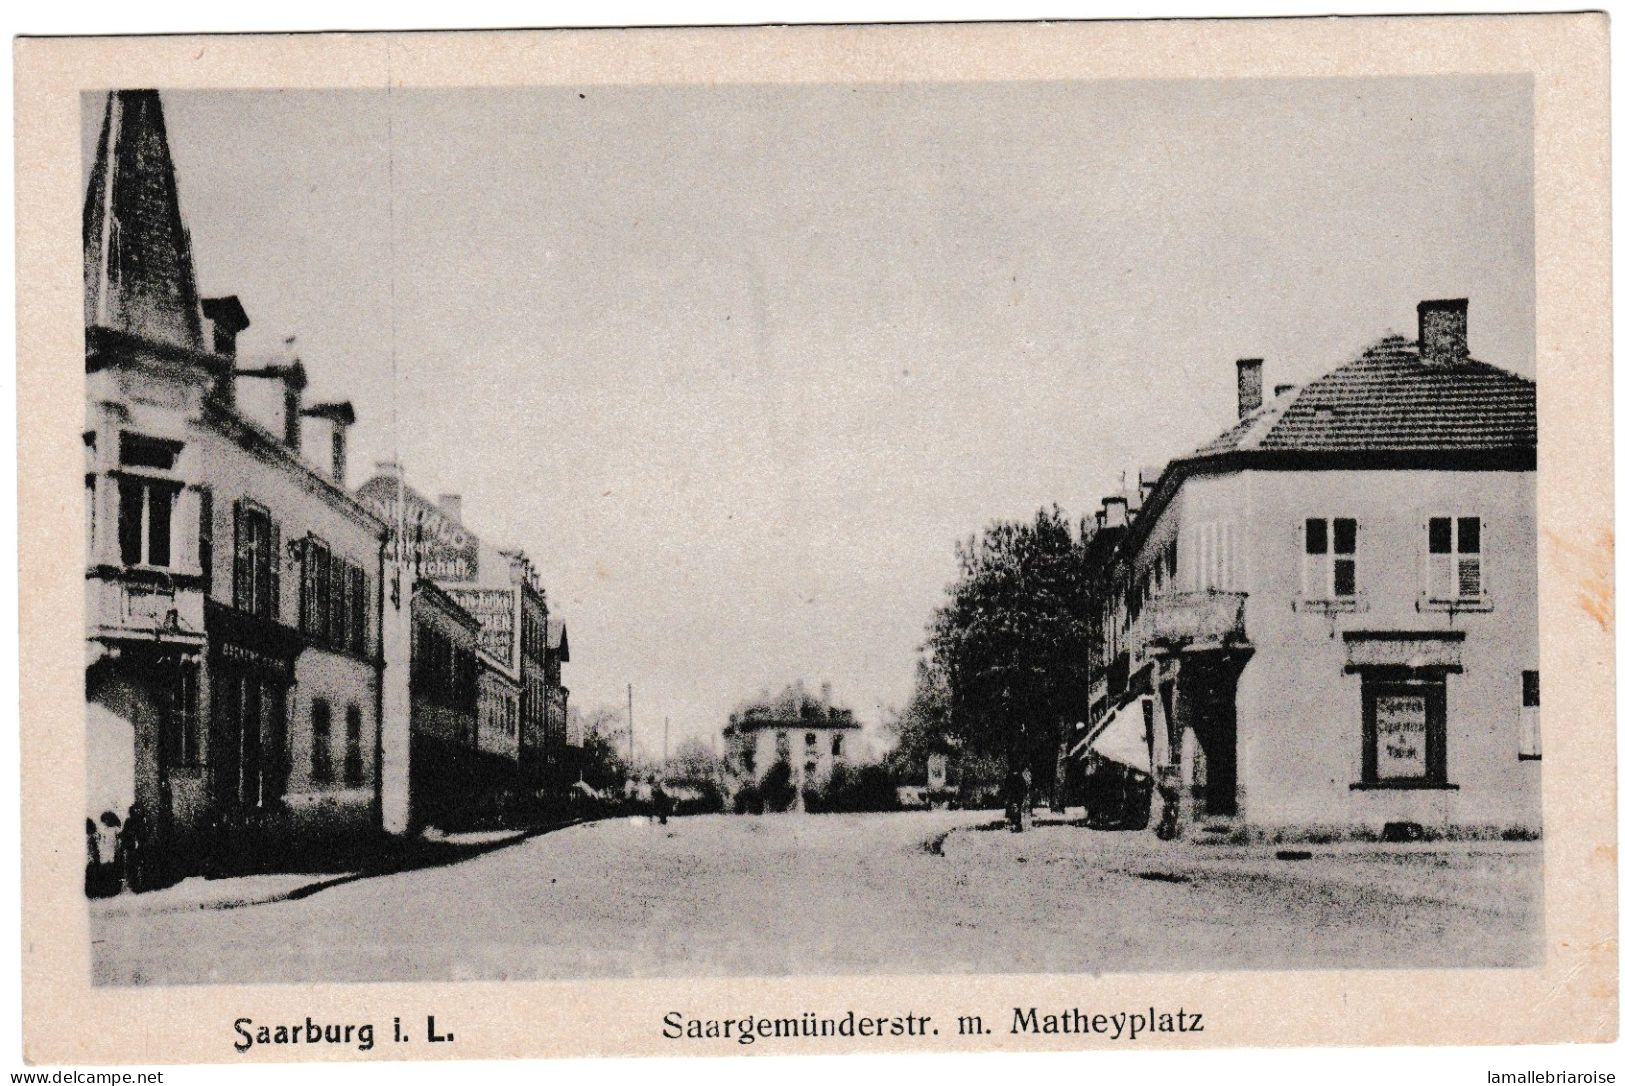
{"x": 816, "y": 540}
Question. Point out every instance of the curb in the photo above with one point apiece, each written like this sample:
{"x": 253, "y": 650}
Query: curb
{"x": 298, "y": 893}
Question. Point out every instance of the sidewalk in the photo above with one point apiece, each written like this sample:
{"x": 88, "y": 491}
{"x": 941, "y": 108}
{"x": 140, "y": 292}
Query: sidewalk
{"x": 1495, "y": 876}
{"x": 433, "y": 849}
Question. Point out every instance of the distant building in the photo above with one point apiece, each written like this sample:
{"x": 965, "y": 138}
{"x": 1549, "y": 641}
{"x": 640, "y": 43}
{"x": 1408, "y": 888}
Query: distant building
{"x": 233, "y": 586}
{"x": 500, "y": 588}
{"x": 809, "y": 735}
{"x": 1326, "y": 616}
{"x": 450, "y": 775}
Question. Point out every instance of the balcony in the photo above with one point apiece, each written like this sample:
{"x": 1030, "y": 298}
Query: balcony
{"x": 1195, "y": 622}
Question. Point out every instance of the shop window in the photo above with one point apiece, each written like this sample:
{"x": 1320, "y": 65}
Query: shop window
{"x": 1529, "y": 718}
{"x": 835, "y": 745}
{"x": 184, "y": 723}
{"x": 352, "y": 746}
{"x": 1455, "y": 562}
{"x": 321, "y": 741}
{"x": 1404, "y": 730}
{"x": 1330, "y": 558}
{"x": 256, "y": 583}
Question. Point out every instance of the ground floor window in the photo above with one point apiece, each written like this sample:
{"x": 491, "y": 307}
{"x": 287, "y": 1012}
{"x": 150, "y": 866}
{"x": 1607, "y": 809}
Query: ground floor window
{"x": 352, "y": 746}
{"x": 184, "y": 740}
{"x": 321, "y": 741}
{"x": 1404, "y": 726}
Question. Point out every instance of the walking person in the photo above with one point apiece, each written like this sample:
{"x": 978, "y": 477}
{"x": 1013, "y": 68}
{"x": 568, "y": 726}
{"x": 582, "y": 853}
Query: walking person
{"x": 1015, "y": 799}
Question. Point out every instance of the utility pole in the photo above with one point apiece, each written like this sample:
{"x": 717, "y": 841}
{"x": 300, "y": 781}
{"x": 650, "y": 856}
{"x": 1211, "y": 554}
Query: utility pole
{"x": 631, "y": 736}
{"x": 665, "y": 746}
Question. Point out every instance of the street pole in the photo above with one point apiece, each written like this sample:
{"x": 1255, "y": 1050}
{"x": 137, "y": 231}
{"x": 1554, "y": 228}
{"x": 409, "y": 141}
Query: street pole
{"x": 631, "y": 736}
{"x": 665, "y": 746}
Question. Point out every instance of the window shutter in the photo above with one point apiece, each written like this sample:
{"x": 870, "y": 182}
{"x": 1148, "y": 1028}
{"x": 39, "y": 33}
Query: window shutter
{"x": 1303, "y": 560}
{"x": 242, "y": 583}
{"x": 1469, "y": 576}
{"x": 1439, "y": 586}
{"x": 273, "y": 571}
{"x": 363, "y": 609}
{"x": 186, "y": 529}
{"x": 205, "y": 538}
{"x": 1227, "y": 562}
{"x": 1473, "y": 577}
{"x": 1439, "y": 540}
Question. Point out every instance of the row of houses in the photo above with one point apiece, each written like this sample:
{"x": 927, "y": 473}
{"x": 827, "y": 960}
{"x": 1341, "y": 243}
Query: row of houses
{"x": 1324, "y": 619}
{"x": 267, "y": 647}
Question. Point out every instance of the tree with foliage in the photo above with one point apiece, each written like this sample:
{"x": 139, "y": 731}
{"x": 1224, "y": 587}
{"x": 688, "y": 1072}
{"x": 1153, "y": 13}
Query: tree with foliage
{"x": 695, "y": 763}
{"x": 603, "y": 732}
{"x": 778, "y": 787}
{"x": 1010, "y": 645}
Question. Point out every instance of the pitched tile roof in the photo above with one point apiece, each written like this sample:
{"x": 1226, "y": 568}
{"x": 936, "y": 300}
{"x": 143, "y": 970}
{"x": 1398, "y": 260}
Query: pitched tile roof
{"x": 1389, "y": 400}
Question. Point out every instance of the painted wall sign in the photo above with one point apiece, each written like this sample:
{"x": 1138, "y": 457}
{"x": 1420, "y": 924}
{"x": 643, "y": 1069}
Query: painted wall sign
{"x": 494, "y": 609}
{"x": 1402, "y": 731}
{"x": 439, "y": 547}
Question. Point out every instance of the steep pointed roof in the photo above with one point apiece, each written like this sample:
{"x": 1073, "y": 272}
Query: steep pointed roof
{"x": 558, "y": 639}
{"x": 138, "y": 256}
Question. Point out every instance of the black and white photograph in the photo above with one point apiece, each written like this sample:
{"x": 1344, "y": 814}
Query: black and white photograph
{"x": 1010, "y": 528}
{"x": 614, "y": 538}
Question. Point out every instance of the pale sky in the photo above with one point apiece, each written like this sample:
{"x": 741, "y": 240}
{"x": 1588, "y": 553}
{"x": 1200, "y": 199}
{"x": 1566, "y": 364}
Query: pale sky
{"x": 738, "y": 365}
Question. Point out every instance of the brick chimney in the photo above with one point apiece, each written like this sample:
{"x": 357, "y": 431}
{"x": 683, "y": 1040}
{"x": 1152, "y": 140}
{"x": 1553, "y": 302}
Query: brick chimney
{"x": 328, "y": 438}
{"x": 1249, "y": 386}
{"x": 1441, "y": 330}
{"x": 227, "y": 319}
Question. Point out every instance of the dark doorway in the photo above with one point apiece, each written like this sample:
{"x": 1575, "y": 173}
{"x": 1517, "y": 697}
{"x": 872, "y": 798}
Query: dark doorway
{"x": 1213, "y": 696}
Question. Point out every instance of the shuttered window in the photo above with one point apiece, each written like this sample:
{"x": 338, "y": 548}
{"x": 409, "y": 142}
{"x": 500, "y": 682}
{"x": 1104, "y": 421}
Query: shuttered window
{"x": 1529, "y": 717}
{"x": 1455, "y": 558}
{"x": 1330, "y": 558}
{"x": 255, "y": 583}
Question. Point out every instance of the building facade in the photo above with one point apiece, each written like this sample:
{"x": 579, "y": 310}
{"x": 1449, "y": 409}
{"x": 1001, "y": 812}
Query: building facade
{"x": 1325, "y": 619}
{"x": 809, "y": 735}
{"x": 232, "y": 586}
{"x": 449, "y": 774}
{"x": 518, "y": 665}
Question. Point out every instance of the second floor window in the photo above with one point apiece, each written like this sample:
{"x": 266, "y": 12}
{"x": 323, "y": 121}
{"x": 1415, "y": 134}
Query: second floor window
{"x": 1330, "y": 558}
{"x": 1455, "y": 563}
{"x": 1215, "y": 569}
{"x": 146, "y": 516}
{"x": 1529, "y": 717}
{"x": 256, "y": 583}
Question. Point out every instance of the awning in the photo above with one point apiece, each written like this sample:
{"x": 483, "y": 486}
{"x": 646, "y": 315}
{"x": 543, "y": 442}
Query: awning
{"x": 1121, "y": 735}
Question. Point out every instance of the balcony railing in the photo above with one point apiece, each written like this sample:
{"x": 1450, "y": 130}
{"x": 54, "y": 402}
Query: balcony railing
{"x": 1195, "y": 621}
